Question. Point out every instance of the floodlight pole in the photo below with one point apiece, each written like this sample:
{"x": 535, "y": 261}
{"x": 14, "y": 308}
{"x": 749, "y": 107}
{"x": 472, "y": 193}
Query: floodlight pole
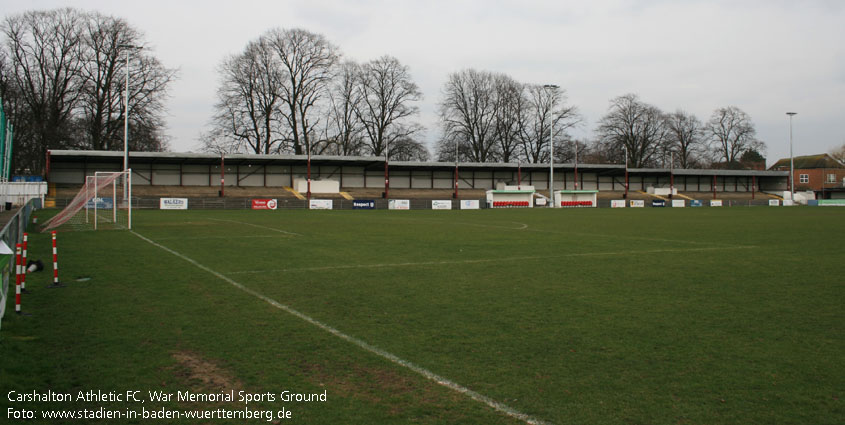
{"x": 791, "y": 160}
{"x": 551, "y": 149}
{"x": 222, "y": 174}
{"x": 576, "y": 163}
{"x": 128, "y": 47}
{"x": 308, "y": 189}
{"x": 386, "y": 176}
{"x": 671, "y": 174}
{"x": 626, "y": 172}
{"x": 518, "y": 175}
{"x": 456, "y": 169}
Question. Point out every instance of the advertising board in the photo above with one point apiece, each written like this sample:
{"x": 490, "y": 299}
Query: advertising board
{"x": 678, "y": 203}
{"x": 658, "y": 203}
{"x": 320, "y": 204}
{"x": 617, "y": 203}
{"x": 363, "y": 204}
{"x": 264, "y": 204}
{"x": 398, "y": 204}
{"x": 100, "y": 203}
{"x": 470, "y": 204}
{"x": 716, "y": 203}
{"x": 173, "y": 203}
{"x": 637, "y": 203}
{"x": 441, "y": 204}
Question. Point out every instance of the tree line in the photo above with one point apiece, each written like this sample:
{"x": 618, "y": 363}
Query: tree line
{"x": 62, "y": 83}
{"x": 291, "y": 91}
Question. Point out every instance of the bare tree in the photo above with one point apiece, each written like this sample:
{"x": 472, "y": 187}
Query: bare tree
{"x": 545, "y": 104}
{"x": 63, "y": 81}
{"x": 307, "y": 63}
{"x": 386, "y": 91}
{"x": 566, "y": 147}
{"x": 343, "y": 129}
{"x": 635, "y": 125}
{"x": 408, "y": 149}
{"x": 510, "y": 104}
{"x": 685, "y": 137}
{"x": 732, "y": 133}
{"x": 468, "y": 116}
{"x": 45, "y": 52}
{"x": 102, "y": 103}
{"x": 248, "y": 101}
{"x": 838, "y": 153}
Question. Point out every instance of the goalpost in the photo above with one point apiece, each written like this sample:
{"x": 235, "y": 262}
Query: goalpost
{"x": 106, "y": 198}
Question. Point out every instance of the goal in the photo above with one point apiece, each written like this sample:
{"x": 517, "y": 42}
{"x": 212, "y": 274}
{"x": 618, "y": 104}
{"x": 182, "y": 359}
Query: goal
{"x": 104, "y": 202}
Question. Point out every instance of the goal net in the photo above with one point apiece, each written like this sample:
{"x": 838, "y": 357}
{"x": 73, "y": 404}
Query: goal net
{"x": 104, "y": 202}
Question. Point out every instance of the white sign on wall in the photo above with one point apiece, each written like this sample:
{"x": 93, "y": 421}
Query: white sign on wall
{"x": 774, "y": 202}
{"x": 678, "y": 203}
{"x": 716, "y": 203}
{"x": 469, "y": 204}
{"x": 637, "y": 203}
{"x": 441, "y": 205}
{"x": 173, "y": 203}
{"x": 320, "y": 204}
{"x": 617, "y": 203}
{"x": 398, "y": 204}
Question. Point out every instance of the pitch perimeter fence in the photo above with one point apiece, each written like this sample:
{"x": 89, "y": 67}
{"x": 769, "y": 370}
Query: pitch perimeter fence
{"x": 12, "y": 234}
{"x": 212, "y": 203}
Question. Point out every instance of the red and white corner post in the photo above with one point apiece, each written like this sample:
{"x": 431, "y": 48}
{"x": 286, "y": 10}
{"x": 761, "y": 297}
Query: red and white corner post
{"x": 18, "y": 249}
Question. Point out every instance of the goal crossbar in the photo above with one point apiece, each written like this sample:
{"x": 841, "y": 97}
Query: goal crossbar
{"x": 102, "y": 200}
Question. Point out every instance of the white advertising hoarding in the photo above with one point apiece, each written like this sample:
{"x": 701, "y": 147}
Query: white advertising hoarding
{"x": 173, "y": 203}
{"x": 398, "y": 204}
{"x": 441, "y": 205}
{"x": 617, "y": 203}
{"x": 774, "y": 202}
{"x": 470, "y": 204}
{"x": 678, "y": 203}
{"x": 716, "y": 203}
{"x": 320, "y": 204}
{"x": 637, "y": 203}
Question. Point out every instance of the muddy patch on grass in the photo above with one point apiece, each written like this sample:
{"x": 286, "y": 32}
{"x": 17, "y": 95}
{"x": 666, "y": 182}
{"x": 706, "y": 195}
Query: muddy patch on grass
{"x": 201, "y": 373}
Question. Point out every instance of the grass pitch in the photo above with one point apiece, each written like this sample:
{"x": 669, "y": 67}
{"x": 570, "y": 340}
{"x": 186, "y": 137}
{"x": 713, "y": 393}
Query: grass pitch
{"x": 700, "y": 316}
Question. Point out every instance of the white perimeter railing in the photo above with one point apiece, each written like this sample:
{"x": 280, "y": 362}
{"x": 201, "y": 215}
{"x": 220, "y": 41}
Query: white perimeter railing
{"x": 12, "y": 234}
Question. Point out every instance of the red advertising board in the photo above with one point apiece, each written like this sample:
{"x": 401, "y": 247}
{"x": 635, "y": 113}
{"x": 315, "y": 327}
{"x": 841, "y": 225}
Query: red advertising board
{"x": 264, "y": 204}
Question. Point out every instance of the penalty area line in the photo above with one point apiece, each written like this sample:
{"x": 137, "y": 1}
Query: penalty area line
{"x": 257, "y": 225}
{"x": 500, "y": 407}
{"x": 490, "y": 260}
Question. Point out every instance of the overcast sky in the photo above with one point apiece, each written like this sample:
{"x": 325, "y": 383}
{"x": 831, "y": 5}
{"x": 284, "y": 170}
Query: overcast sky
{"x": 766, "y": 57}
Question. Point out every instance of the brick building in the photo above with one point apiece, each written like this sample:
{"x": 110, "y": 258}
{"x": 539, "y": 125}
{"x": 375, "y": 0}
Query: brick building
{"x": 822, "y": 174}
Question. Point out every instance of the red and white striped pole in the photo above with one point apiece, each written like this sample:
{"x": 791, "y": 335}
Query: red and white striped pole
{"x": 55, "y": 261}
{"x": 23, "y": 263}
{"x": 18, "y": 278}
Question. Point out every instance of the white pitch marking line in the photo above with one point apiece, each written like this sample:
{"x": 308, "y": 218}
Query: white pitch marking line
{"x": 367, "y": 347}
{"x": 487, "y": 260}
{"x": 220, "y": 237}
{"x": 258, "y": 226}
{"x": 642, "y": 238}
{"x": 524, "y": 226}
